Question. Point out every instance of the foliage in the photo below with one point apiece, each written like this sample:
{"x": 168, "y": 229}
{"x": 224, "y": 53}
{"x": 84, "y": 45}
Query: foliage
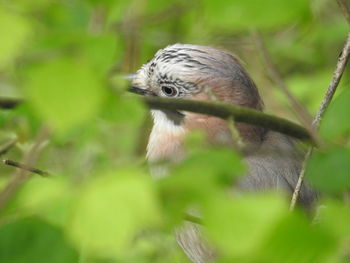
{"x": 66, "y": 58}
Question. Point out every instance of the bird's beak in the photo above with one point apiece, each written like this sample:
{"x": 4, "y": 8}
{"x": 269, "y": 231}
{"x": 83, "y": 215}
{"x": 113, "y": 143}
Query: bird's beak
{"x": 137, "y": 90}
{"x": 143, "y": 92}
{"x": 129, "y": 76}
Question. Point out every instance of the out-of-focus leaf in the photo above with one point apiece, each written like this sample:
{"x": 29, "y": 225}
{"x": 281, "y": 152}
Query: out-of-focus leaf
{"x": 329, "y": 171}
{"x": 14, "y": 31}
{"x": 238, "y": 226}
{"x": 101, "y": 51}
{"x": 127, "y": 114}
{"x": 48, "y": 197}
{"x": 29, "y": 5}
{"x": 64, "y": 92}
{"x": 200, "y": 176}
{"x": 336, "y": 120}
{"x": 294, "y": 239}
{"x": 238, "y": 15}
{"x": 34, "y": 240}
{"x": 336, "y": 217}
{"x": 309, "y": 89}
{"x": 111, "y": 210}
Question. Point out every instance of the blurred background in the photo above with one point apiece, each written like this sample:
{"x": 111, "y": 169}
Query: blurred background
{"x": 64, "y": 62}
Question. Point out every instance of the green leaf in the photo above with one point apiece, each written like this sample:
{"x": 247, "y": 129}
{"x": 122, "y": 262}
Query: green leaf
{"x": 237, "y": 226}
{"x": 329, "y": 171}
{"x": 15, "y": 31}
{"x": 335, "y": 216}
{"x": 336, "y": 120}
{"x": 34, "y": 240}
{"x": 200, "y": 176}
{"x": 48, "y": 197}
{"x": 101, "y": 51}
{"x": 308, "y": 88}
{"x": 64, "y": 92}
{"x": 111, "y": 210}
{"x": 295, "y": 239}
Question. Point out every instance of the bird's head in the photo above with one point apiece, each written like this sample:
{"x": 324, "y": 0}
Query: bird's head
{"x": 197, "y": 73}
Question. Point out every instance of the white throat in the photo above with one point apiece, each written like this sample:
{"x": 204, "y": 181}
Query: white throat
{"x": 165, "y": 142}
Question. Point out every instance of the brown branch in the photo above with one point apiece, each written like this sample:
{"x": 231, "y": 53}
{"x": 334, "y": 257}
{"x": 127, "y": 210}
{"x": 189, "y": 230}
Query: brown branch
{"x": 342, "y": 60}
{"x": 344, "y": 9}
{"x": 21, "y": 176}
{"x": 25, "y": 167}
{"x": 226, "y": 111}
{"x": 7, "y": 146}
{"x": 301, "y": 113}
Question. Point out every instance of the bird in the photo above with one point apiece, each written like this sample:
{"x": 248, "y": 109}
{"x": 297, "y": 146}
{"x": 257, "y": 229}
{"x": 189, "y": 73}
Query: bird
{"x": 206, "y": 73}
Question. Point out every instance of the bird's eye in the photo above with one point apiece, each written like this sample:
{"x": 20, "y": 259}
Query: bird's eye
{"x": 169, "y": 91}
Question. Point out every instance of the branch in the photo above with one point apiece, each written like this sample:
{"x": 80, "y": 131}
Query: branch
{"x": 7, "y": 146}
{"x": 342, "y": 60}
{"x": 21, "y": 176}
{"x": 25, "y": 167}
{"x": 300, "y": 111}
{"x": 225, "y": 111}
{"x": 344, "y": 9}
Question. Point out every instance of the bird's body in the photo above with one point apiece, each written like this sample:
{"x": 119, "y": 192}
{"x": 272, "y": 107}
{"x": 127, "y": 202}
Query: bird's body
{"x": 205, "y": 73}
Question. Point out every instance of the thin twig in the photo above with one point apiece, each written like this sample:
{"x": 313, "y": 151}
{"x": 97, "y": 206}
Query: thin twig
{"x": 25, "y": 167}
{"x": 344, "y": 9}
{"x": 301, "y": 113}
{"x": 225, "y": 111}
{"x": 7, "y": 146}
{"x": 21, "y": 176}
{"x": 343, "y": 58}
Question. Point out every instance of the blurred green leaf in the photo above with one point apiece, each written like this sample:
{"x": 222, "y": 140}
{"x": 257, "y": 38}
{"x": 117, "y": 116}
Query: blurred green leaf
{"x": 336, "y": 120}
{"x": 29, "y": 5}
{"x": 101, "y": 51}
{"x": 329, "y": 170}
{"x": 237, "y": 226}
{"x": 335, "y": 216}
{"x": 309, "y": 89}
{"x": 15, "y": 31}
{"x": 243, "y": 15}
{"x": 64, "y": 92}
{"x": 34, "y": 240}
{"x": 295, "y": 239}
{"x": 48, "y": 197}
{"x": 203, "y": 174}
{"x": 111, "y": 210}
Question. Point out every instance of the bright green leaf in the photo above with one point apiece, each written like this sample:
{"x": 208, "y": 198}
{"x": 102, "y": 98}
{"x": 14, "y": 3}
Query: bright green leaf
{"x": 48, "y": 197}
{"x": 64, "y": 92}
{"x": 336, "y": 217}
{"x": 200, "y": 176}
{"x": 237, "y": 226}
{"x": 14, "y": 31}
{"x": 111, "y": 210}
{"x": 295, "y": 239}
